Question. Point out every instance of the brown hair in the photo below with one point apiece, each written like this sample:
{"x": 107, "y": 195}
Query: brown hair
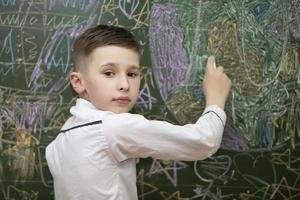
{"x": 100, "y": 36}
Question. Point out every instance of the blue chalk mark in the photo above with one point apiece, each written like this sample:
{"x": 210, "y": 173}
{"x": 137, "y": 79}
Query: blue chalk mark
{"x": 199, "y": 95}
{"x": 261, "y": 10}
{"x": 264, "y": 132}
{"x": 8, "y": 2}
{"x": 7, "y": 57}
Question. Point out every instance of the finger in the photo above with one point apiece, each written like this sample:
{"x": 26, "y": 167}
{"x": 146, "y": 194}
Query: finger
{"x": 211, "y": 64}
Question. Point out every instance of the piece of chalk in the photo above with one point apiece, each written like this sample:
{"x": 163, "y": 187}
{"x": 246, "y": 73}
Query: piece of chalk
{"x": 214, "y": 62}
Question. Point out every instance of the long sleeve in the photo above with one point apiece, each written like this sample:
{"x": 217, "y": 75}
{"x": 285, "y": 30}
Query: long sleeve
{"x": 132, "y": 136}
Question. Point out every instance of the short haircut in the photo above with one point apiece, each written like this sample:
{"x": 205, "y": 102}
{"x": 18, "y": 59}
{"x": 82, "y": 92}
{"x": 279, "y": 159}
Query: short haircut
{"x": 100, "y": 36}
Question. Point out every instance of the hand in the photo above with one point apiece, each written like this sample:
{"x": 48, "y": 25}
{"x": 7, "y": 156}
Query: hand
{"x": 216, "y": 84}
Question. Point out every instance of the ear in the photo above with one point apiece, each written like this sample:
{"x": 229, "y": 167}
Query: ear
{"x": 77, "y": 83}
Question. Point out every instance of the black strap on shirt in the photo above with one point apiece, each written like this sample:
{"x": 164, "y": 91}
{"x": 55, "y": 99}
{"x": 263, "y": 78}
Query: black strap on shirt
{"x": 215, "y": 114}
{"x": 82, "y": 125}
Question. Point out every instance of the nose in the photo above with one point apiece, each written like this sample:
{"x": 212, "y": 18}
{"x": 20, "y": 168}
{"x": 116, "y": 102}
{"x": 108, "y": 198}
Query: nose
{"x": 124, "y": 83}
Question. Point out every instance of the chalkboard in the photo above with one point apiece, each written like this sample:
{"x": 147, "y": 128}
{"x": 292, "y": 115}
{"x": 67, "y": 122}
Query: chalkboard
{"x": 256, "y": 41}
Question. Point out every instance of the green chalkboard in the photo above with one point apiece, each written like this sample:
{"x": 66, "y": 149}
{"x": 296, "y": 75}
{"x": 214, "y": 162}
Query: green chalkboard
{"x": 256, "y": 41}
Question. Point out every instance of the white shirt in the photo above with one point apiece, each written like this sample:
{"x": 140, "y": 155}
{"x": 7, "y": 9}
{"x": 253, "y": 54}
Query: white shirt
{"x": 93, "y": 157}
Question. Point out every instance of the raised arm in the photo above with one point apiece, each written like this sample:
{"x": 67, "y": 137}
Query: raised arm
{"x": 131, "y": 136}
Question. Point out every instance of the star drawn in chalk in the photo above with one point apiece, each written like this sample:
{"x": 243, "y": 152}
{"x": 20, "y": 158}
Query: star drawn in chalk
{"x": 170, "y": 170}
{"x": 281, "y": 190}
{"x": 286, "y": 158}
{"x": 173, "y": 196}
{"x": 144, "y": 187}
{"x": 145, "y": 97}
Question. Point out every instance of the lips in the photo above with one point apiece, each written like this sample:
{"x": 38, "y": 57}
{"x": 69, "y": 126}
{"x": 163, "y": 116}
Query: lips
{"x": 122, "y": 100}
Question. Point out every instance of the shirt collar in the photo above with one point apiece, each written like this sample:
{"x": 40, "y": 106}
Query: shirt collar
{"x": 82, "y": 103}
{"x": 84, "y": 109}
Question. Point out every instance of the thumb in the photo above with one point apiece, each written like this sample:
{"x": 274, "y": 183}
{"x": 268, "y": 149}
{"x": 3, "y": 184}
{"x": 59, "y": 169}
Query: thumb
{"x": 211, "y": 64}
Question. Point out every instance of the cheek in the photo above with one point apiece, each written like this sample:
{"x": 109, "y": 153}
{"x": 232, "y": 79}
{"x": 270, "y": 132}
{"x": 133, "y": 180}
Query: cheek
{"x": 99, "y": 84}
{"x": 138, "y": 82}
{"x": 137, "y": 90}
{"x": 96, "y": 87}
{"x": 136, "y": 85}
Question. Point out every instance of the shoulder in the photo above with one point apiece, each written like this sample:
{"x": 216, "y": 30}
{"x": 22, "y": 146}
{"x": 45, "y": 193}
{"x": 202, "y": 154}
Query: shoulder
{"x": 123, "y": 119}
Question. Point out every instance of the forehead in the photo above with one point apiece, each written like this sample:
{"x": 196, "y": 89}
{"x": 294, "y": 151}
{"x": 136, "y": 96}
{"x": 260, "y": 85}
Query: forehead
{"x": 114, "y": 54}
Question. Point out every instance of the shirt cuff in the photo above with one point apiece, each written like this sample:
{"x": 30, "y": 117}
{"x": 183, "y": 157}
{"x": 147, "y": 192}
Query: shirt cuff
{"x": 218, "y": 112}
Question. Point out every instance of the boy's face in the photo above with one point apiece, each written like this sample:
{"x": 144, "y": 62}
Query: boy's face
{"x": 111, "y": 81}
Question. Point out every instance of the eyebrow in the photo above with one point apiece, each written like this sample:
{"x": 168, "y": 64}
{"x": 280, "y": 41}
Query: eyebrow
{"x": 116, "y": 64}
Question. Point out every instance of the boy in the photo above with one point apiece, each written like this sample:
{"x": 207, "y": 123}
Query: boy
{"x": 93, "y": 157}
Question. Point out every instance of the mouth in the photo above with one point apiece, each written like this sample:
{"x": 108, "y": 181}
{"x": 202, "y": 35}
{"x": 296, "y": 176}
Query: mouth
{"x": 122, "y": 100}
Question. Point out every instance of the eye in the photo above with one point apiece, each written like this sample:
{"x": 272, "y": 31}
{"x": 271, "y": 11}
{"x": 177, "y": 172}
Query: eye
{"x": 108, "y": 73}
{"x": 133, "y": 74}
